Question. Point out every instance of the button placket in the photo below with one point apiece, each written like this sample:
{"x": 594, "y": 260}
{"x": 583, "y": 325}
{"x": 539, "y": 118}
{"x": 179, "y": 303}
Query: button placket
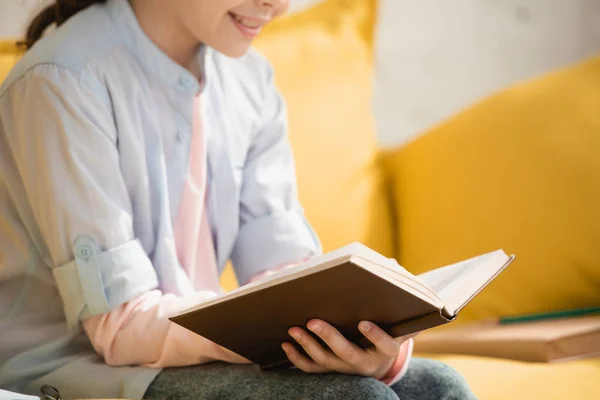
{"x": 183, "y": 129}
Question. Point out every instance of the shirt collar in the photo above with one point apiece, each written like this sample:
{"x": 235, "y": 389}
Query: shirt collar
{"x": 150, "y": 55}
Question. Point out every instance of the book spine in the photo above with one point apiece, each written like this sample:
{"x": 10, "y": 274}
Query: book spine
{"x": 416, "y": 325}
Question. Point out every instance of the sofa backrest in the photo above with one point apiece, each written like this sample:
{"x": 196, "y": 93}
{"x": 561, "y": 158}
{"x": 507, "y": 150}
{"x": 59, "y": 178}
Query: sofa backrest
{"x": 519, "y": 171}
{"x": 9, "y": 55}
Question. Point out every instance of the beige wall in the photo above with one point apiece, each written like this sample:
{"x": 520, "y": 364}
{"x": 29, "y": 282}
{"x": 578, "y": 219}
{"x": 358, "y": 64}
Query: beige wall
{"x": 436, "y": 57}
{"x": 14, "y": 15}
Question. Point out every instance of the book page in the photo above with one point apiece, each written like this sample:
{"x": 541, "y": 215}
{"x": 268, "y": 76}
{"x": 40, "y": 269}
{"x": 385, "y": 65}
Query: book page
{"x": 315, "y": 264}
{"x": 400, "y": 277}
{"x": 4, "y": 394}
{"x": 458, "y": 283}
{"x": 342, "y": 252}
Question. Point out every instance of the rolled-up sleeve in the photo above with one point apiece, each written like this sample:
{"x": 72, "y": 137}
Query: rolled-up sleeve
{"x": 61, "y": 134}
{"x": 273, "y": 228}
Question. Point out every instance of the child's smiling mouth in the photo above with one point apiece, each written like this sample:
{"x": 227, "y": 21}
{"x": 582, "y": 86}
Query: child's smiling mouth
{"x": 248, "y": 26}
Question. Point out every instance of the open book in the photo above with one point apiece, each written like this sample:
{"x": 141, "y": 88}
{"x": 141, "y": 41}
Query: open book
{"x": 342, "y": 287}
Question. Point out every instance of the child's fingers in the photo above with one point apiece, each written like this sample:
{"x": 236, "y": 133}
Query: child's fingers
{"x": 347, "y": 351}
{"x": 301, "y": 362}
{"x": 384, "y": 343}
{"x": 324, "y": 358}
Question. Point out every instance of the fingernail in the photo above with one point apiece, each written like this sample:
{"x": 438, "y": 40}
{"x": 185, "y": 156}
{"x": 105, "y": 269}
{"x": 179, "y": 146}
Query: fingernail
{"x": 284, "y": 347}
{"x": 315, "y": 327}
{"x": 296, "y": 335}
{"x": 364, "y": 326}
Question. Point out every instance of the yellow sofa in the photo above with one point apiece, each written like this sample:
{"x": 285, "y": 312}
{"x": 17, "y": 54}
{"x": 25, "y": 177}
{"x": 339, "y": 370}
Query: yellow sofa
{"x": 518, "y": 171}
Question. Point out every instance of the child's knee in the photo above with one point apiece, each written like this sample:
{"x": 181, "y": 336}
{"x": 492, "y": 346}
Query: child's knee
{"x": 448, "y": 382}
{"x": 434, "y": 380}
{"x": 358, "y": 388}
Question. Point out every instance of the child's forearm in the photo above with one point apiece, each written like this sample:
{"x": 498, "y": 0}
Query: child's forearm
{"x": 140, "y": 333}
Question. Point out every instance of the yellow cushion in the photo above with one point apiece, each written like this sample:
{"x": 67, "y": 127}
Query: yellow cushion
{"x": 496, "y": 379}
{"x": 9, "y": 55}
{"x": 519, "y": 171}
{"x": 324, "y": 67}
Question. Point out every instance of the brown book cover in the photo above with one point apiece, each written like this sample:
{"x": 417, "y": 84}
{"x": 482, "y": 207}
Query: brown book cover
{"x": 351, "y": 285}
{"x": 538, "y": 341}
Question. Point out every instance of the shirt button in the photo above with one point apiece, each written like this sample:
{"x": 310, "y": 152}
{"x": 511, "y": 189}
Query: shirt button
{"x": 187, "y": 81}
{"x": 182, "y": 136}
{"x": 84, "y": 252}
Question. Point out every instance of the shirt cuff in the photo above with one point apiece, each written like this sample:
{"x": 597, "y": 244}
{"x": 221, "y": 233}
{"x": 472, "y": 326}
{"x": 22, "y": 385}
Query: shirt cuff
{"x": 97, "y": 282}
{"x": 271, "y": 241}
{"x": 398, "y": 370}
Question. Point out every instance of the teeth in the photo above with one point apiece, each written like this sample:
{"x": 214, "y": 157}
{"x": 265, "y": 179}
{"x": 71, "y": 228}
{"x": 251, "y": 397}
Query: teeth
{"x": 246, "y": 22}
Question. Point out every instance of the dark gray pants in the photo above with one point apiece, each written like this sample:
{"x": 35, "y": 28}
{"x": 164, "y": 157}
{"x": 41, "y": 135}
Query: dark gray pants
{"x": 424, "y": 380}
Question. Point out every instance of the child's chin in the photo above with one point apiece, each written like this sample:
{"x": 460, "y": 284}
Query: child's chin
{"x": 235, "y": 51}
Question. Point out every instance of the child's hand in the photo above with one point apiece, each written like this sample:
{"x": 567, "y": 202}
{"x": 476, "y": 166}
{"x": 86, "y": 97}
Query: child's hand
{"x": 346, "y": 357}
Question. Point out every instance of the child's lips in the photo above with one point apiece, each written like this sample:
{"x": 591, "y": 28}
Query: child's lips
{"x": 248, "y": 26}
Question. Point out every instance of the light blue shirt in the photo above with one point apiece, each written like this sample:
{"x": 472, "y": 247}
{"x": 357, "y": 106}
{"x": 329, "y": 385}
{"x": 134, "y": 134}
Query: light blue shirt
{"x": 95, "y": 128}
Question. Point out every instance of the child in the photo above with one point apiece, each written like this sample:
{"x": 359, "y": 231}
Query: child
{"x": 142, "y": 146}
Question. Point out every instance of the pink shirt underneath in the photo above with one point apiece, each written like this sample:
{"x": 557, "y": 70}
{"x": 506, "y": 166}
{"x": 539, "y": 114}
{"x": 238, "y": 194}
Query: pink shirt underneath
{"x": 193, "y": 236}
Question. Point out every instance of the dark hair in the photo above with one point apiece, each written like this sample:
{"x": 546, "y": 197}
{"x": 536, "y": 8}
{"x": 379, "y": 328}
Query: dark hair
{"x": 57, "y": 14}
